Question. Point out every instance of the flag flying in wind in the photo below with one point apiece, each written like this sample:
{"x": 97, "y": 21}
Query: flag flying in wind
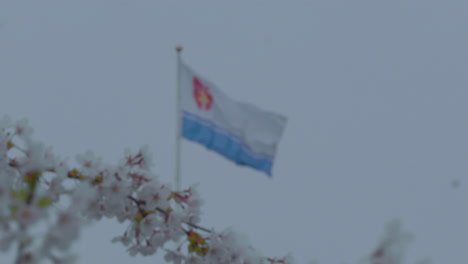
{"x": 239, "y": 131}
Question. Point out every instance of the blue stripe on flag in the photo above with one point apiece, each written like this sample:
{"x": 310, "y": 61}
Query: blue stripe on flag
{"x": 225, "y": 143}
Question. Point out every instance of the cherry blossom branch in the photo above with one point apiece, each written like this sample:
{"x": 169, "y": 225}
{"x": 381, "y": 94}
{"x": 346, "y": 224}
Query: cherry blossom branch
{"x": 139, "y": 202}
{"x": 188, "y": 223}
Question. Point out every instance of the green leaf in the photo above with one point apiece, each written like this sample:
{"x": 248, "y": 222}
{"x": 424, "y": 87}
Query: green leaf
{"x": 21, "y": 194}
{"x": 138, "y": 217}
{"x": 44, "y": 202}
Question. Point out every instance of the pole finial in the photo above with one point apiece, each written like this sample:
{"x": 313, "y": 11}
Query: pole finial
{"x": 178, "y": 48}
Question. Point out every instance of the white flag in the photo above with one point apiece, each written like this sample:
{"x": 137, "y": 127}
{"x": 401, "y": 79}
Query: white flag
{"x": 239, "y": 131}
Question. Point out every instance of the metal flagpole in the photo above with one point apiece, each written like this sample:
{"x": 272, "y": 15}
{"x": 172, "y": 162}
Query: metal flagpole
{"x": 178, "y": 120}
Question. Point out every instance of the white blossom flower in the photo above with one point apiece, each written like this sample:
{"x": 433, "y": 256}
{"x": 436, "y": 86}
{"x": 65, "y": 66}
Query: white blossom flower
{"x": 28, "y": 215}
{"x": 65, "y": 231}
{"x": 155, "y": 196}
{"x": 148, "y": 224}
{"x": 22, "y": 129}
{"x": 88, "y": 159}
{"x": 142, "y": 159}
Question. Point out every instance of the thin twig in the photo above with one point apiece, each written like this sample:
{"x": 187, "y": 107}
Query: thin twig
{"x": 138, "y": 203}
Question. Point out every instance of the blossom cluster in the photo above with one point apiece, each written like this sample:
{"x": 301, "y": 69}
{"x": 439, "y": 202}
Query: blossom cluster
{"x": 44, "y": 203}
{"x": 39, "y": 212}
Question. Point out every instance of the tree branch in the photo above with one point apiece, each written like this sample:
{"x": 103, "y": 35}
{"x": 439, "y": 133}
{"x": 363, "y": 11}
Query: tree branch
{"x": 138, "y": 203}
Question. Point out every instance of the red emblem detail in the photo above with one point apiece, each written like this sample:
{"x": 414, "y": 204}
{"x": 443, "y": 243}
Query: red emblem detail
{"x": 202, "y": 95}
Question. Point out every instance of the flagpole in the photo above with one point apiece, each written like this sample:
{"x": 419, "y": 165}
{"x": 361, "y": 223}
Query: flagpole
{"x": 178, "y": 120}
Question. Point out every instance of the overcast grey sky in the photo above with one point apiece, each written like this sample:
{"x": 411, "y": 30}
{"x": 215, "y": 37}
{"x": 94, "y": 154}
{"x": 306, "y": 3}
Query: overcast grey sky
{"x": 375, "y": 93}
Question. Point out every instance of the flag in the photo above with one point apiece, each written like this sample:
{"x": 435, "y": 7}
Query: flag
{"x": 239, "y": 131}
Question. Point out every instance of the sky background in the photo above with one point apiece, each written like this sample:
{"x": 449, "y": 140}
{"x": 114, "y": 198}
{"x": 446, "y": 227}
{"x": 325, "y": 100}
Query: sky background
{"x": 375, "y": 93}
